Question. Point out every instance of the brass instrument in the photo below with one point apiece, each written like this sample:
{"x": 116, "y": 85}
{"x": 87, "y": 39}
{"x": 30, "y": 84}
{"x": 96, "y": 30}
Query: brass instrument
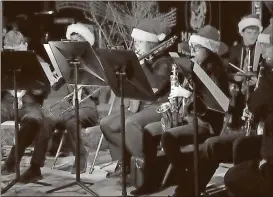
{"x": 64, "y": 105}
{"x": 159, "y": 48}
{"x": 250, "y": 119}
{"x": 170, "y": 110}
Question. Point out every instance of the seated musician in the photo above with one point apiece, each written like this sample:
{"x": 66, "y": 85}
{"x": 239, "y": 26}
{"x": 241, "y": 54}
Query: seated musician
{"x": 88, "y": 115}
{"x": 31, "y": 119}
{"x": 206, "y": 50}
{"x": 255, "y": 178}
{"x": 146, "y": 35}
{"x": 249, "y": 28}
{"x": 231, "y": 148}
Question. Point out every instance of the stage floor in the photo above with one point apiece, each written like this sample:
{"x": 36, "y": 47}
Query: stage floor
{"x": 102, "y": 186}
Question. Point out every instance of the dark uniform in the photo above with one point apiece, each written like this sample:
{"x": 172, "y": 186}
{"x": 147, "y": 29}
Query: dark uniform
{"x": 88, "y": 117}
{"x": 209, "y": 124}
{"x": 32, "y": 128}
{"x": 235, "y": 55}
{"x": 158, "y": 75}
{"x": 248, "y": 179}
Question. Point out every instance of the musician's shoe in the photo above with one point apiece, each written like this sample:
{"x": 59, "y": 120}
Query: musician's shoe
{"x": 7, "y": 169}
{"x": 143, "y": 191}
{"x": 83, "y": 164}
{"x": 32, "y": 174}
{"x": 117, "y": 172}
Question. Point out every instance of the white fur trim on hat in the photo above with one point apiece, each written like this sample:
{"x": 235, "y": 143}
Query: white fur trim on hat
{"x": 141, "y": 35}
{"x": 82, "y": 30}
{"x": 264, "y": 38}
{"x": 246, "y": 22}
{"x": 212, "y": 45}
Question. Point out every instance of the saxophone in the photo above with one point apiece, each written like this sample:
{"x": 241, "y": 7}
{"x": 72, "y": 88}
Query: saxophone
{"x": 249, "y": 121}
{"x": 170, "y": 110}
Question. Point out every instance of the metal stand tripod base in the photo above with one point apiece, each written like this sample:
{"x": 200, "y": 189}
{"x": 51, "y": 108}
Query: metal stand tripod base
{"x": 81, "y": 184}
{"x": 9, "y": 186}
{"x": 17, "y": 181}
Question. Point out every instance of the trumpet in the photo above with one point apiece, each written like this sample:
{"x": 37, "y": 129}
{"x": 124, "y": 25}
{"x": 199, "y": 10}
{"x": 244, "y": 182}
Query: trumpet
{"x": 64, "y": 105}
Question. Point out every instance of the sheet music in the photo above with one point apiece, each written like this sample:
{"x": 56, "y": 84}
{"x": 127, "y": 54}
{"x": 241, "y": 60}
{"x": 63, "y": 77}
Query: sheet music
{"x": 220, "y": 97}
{"x": 48, "y": 72}
{"x": 52, "y": 59}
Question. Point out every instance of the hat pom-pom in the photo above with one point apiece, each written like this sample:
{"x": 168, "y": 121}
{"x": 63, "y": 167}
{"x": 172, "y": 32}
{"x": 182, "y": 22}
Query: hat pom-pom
{"x": 161, "y": 36}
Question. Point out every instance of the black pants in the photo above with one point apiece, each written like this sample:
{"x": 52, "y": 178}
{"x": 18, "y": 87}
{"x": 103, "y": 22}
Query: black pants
{"x": 88, "y": 117}
{"x": 247, "y": 179}
{"x": 237, "y": 113}
{"x": 233, "y": 148}
{"x": 134, "y": 126}
{"x": 32, "y": 128}
{"x": 174, "y": 139}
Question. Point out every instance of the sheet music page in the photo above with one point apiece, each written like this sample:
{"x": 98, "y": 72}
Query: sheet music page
{"x": 48, "y": 72}
{"x": 220, "y": 97}
{"x": 52, "y": 59}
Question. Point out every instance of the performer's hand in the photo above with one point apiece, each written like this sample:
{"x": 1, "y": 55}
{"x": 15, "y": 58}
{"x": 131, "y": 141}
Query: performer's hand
{"x": 261, "y": 164}
{"x": 179, "y": 92}
{"x": 238, "y": 78}
{"x": 246, "y": 114}
{"x": 253, "y": 81}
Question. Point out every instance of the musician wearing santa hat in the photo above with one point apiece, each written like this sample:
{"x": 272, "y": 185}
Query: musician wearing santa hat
{"x": 255, "y": 178}
{"x": 147, "y": 34}
{"x": 206, "y": 50}
{"x": 242, "y": 56}
{"x": 88, "y": 115}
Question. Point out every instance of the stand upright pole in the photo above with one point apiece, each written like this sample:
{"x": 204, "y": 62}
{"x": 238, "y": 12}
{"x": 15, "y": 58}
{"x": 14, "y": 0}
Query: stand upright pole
{"x": 77, "y": 157}
{"x": 17, "y": 162}
{"x": 196, "y": 143}
{"x": 121, "y": 76}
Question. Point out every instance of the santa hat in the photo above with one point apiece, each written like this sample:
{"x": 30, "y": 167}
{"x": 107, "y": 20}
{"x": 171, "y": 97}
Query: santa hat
{"x": 250, "y": 20}
{"x": 266, "y": 37}
{"x": 150, "y": 30}
{"x": 209, "y": 37}
{"x": 86, "y": 31}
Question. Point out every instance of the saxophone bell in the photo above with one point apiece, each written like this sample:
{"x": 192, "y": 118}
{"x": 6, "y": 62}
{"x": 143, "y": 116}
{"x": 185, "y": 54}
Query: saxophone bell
{"x": 165, "y": 110}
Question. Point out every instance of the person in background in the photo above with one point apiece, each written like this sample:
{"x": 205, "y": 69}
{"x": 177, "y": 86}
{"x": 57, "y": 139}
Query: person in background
{"x": 88, "y": 114}
{"x": 249, "y": 28}
{"x": 255, "y": 177}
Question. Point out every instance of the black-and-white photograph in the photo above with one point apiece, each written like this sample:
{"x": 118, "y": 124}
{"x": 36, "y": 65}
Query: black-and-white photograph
{"x": 137, "y": 98}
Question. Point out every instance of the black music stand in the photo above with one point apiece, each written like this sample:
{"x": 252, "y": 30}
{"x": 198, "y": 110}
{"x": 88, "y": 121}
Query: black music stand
{"x": 21, "y": 69}
{"x": 68, "y": 55}
{"x": 127, "y": 79}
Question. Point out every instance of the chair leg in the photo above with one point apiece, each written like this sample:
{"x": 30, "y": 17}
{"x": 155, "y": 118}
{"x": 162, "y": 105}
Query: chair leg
{"x": 167, "y": 174}
{"x": 59, "y": 149}
{"x": 96, "y": 155}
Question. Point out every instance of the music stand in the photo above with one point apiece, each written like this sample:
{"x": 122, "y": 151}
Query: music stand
{"x": 68, "y": 55}
{"x": 21, "y": 69}
{"x": 127, "y": 79}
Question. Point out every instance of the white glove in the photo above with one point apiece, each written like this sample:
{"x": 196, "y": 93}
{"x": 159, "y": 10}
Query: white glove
{"x": 179, "y": 92}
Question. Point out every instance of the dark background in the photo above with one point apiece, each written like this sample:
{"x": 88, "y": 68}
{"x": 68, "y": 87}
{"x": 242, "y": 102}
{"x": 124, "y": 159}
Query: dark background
{"x": 225, "y": 16}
